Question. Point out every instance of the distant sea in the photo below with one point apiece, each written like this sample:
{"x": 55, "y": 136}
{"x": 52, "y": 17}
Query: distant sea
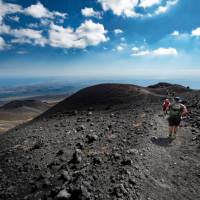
{"x": 21, "y": 81}
{"x": 26, "y": 81}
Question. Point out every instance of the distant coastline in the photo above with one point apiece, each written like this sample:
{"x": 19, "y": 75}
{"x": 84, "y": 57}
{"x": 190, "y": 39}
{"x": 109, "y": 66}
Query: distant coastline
{"x": 12, "y": 82}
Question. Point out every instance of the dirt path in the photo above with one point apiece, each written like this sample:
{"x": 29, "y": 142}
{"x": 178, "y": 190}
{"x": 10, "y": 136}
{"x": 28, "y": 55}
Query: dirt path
{"x": 171, "y": 170}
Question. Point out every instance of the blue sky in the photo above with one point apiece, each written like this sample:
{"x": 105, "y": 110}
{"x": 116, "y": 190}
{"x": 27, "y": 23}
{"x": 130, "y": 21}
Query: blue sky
{"x": 100, "y": 38}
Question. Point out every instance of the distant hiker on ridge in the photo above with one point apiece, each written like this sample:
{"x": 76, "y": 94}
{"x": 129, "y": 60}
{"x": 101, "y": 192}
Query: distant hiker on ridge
{"x": 165, "y": 105}
{"x": 176, "y": 111}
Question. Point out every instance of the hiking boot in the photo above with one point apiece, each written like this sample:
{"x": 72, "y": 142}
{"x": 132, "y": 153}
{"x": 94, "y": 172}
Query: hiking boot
{"x": 170, "y": 136}
{"x": 173, "y": 136}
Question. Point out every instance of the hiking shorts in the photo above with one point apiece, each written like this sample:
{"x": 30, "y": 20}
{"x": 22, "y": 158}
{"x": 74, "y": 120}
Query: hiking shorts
{"x": 164, "y": 108}
{"x": 174, "y": 120}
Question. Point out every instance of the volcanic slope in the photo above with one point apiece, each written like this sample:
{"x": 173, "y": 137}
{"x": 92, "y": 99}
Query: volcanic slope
{"x": 104, "y": 95}
{"x": 164, "y": 88}
{"x": 103, "y": 150}
{"x": 19, "y": 111}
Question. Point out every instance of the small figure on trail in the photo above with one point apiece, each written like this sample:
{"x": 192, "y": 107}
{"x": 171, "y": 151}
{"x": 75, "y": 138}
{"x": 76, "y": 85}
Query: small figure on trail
{"x": 173, "y": 94}
{"x": 165, "y": 105}
{"x": 176, "y": 111}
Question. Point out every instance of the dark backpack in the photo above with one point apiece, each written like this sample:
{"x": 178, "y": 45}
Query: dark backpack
{"x": 175, "y": 110}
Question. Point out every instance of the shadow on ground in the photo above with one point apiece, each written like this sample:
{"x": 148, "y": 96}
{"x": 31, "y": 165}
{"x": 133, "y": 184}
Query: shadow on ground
{"x": 161, "y": 141}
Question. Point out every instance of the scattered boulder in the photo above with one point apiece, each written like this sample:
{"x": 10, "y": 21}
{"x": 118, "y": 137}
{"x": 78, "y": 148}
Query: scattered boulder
{"x": 65, "y": 176}
{"x": 63, "y": 195}
{"x": 89, "y": 113}
{"x": 46, "y": 183}
{"x": 97, "y": 160}
{"x": 116, "y": 155}
{"x": 91, "y": 138}
{"x": 119, "y": 190}
{"x": 80, "y": 145}
{"x": 127, "y": 161}
{"x": 77, "y": 157}
{"x": 60, "y": 152}
{"x": 80, "y": 128}
{"x": 132, "y": 181}
{"x": 37, "y": 145}
{"x": 132, "y": 151}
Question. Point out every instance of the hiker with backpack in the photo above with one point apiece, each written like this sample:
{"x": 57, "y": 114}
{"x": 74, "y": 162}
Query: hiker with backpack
{"x": 176, "y": 111}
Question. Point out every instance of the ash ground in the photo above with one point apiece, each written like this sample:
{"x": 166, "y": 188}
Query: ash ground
{"x": 117, "y": 149}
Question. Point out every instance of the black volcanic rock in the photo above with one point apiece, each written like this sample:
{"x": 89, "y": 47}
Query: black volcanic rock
{"x": 102, "y": 95}
{"x": 25, "y": 103}
{"x": 112, "y": 156}
{"x": 63, "y": 195}
{"x": 161, "y": 85}
{"x": 163, "y": 88}
{"x": 167, "y": 89}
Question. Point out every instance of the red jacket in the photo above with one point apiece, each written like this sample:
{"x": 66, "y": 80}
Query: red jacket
{"x": 166, "y": 103}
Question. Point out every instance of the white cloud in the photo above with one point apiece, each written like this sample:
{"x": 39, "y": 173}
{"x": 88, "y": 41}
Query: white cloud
{"x": 157, "y": 52}
{"x": 22, "y": 52}
{"x": 135, "y": 49}
{"x": 39, "y": 11}
{"x": 165, "y": 8}
{"x": 35, "y": 10}
{"x": 148, "y": 3}
{"x": 45, "y": 22}
{"x": 29, "y": 36}
{"x": 5, "y": 9}
{"x": 196, "y": 32}
{"x": 175, "y": 33}
{"x": 118, "y": 31}
{"x": 120, "y": 48}
{"x": 90, "y": 12}
{"x": 186, "y": 35}
{"x": 8, "y": 8}
{"x": 4, "y": 29}
{"x": 87, "y": 34}
{"x": 2, "y": 44}
{"x": 122, "y": 39}
{"x": 120, "y": 7}
{"x": 26, "y": 35}
{"x": 161, "y": 9}
{"x": 22, "y": 40}
{"x": 128, "y": 7}
{"x": 92, "y": 33}
{"x": 30, "y": 33}
{"x": 141, "y": 53}
{"x": 59, "y": 14}
{"x": 15, "y": 18}
{"x": 33, "y": 25}
{"x": 60, "y": 21}
{"x": 180, "y": 36}
{"x": 165, "y": 52}
{"x": 63, "y": 37}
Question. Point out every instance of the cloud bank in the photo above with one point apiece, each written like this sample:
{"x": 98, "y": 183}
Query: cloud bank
{"x": 87, "y": 34}
{"x": 90, "y": 12}
{"x": 128, "y": 8}
{"x": 2, "y": 44}
{"x": 156, "y": 52}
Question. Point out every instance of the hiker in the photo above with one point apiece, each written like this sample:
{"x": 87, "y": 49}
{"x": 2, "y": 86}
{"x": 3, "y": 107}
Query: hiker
{"x": 165, "y": 105}
{"x": 176, "y": 111}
